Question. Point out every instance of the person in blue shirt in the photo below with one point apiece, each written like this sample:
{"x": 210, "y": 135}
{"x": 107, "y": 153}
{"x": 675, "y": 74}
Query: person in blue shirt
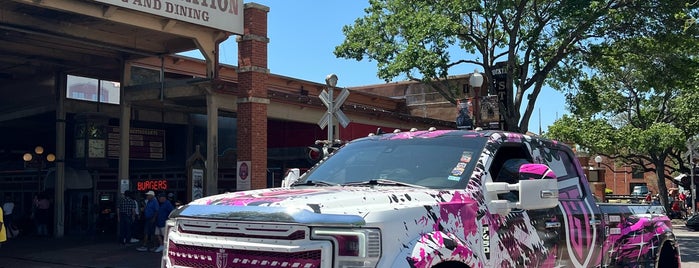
{"x": 163, "y": 213}
{"x": 150, "y": 214}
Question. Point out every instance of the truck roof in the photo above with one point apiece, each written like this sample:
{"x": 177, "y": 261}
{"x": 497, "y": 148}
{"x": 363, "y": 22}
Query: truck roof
{"x": 502, "y": 136}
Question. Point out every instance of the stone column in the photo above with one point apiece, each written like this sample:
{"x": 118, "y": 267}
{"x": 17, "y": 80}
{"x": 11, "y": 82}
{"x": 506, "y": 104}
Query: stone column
{"x": 253, "y": 101}
{"x": 211, "y": 183}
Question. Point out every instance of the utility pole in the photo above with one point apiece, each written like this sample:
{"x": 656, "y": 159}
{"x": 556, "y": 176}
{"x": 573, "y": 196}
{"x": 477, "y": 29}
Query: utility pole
{"x": 691, "y": 177}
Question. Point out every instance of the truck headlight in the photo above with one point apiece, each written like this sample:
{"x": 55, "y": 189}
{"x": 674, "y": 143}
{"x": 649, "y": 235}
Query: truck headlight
{"x": 353, "y": 247}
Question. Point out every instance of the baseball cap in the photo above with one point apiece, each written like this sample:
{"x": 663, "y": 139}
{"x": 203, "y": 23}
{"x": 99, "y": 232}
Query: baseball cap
{"x": 150, "y": 193}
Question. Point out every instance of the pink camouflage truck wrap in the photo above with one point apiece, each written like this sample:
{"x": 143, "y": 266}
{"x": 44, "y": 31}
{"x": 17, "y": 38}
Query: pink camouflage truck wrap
{"x": 438, "y": 198}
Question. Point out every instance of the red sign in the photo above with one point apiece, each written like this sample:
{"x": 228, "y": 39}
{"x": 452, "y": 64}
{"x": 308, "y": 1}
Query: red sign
{"x": 155, "y": 185}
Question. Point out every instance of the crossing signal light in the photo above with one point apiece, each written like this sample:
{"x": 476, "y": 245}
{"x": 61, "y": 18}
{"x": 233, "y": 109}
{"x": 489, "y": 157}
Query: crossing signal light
{"x": 321, "y": 150}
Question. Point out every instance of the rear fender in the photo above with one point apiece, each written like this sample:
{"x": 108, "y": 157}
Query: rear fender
{"x": 640, "y": 242}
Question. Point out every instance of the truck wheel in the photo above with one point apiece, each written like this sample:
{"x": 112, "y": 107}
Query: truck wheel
{"x": 451, "y": 264}
{"x": 668, "y": 256}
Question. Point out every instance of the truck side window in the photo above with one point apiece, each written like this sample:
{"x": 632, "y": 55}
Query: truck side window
{"x": 562, "y": 164}
{"x": 505, "y": 167}
{"x": 505, "y": 153}
{"x": 509, "y": 172}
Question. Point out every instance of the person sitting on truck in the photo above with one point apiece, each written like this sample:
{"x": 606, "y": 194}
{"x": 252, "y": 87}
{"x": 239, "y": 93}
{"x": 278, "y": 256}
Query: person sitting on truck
{"x": 509, "y": 172}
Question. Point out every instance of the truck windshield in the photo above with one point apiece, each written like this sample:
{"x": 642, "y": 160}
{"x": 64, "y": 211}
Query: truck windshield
{"x": 439, "y": 163}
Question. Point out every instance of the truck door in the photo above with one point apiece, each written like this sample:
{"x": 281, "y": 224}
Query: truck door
{"x": 526, "y": 238}
{"x": 582, "y": 232}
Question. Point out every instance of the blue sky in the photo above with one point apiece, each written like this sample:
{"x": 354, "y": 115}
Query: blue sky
{"x": 304, "y": 33}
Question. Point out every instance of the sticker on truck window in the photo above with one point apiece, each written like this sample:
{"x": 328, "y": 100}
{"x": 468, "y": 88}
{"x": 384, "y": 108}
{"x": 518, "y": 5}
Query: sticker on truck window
{"x": 459, "y": 169}
{"x": 466, "y": 156}
{"x": 454, "y": 178}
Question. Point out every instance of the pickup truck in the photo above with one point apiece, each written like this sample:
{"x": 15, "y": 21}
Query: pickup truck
{"x": 433, "y": 198}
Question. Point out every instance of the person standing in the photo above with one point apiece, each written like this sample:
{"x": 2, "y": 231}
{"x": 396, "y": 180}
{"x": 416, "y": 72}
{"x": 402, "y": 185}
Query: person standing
{"x": 8, "y": 207}
{"x": 163, "y": 213}
{"x": 3, "y": 236}
{"x": 42, "y": 216}
{"x": 136, "y": 229}
{"x": 126, "y": 214}
{"x": 150, "y": 215}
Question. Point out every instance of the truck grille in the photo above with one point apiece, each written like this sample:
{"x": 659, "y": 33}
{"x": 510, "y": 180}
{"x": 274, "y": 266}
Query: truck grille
{"x": 229, "y": 229}
{"x": 219, "y": 244}
{"x": 195, "y": 256}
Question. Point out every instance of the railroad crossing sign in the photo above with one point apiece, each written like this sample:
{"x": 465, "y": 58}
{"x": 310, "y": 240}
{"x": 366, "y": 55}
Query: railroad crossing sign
{"x": 333, "y": 109}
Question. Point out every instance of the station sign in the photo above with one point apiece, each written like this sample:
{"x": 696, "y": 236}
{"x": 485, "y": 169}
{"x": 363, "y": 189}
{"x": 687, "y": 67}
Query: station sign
{"x": 225, "y": 15}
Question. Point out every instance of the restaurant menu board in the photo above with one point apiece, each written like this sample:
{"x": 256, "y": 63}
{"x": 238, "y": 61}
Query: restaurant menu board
{"x": 145, "y": 144}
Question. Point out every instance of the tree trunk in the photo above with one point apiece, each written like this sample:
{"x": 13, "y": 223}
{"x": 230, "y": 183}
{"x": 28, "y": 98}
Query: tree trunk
{"x": 662, "y": 189}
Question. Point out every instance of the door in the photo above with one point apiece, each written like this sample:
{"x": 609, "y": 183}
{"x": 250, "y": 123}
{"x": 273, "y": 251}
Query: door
{"x": 582, "y": 233}
{"x": 78, "y": 211}
{"x": 523, "y": 238}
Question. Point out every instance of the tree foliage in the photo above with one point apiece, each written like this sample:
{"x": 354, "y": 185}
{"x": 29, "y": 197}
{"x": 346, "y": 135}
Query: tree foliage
{"x": 636, "y": 100}
{"x": 423, "y": 40}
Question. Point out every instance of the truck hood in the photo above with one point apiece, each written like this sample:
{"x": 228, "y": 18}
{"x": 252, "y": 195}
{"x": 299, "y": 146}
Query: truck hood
{"x": 318, "y": 205}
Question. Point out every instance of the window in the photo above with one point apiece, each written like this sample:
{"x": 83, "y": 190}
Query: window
{"x": 569, "y": 180}
{"x": 90, "y": 89}
{"x": 637, "y": 172}
{"x": 438, "y": 163}
{"x": 505, "y": 167}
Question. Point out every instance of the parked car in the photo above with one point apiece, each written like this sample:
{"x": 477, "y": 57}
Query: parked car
{"x": 693, "y": 222}
{"x": 640, "y": 190}
{"x": 437, "y": 199}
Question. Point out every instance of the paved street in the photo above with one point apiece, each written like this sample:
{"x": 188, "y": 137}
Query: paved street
{"x": 36, "y": 252}
{"x": 689, "y": 245}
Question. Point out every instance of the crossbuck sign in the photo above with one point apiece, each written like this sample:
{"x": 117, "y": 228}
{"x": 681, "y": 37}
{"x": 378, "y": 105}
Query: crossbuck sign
{"x": 333, "y": 110}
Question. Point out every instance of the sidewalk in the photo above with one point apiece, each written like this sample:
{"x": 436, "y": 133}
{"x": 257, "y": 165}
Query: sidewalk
{"x": 74, "y": 251}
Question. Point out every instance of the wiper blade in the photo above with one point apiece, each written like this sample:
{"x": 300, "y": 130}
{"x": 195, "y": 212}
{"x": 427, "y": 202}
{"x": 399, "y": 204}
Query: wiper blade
{"x": 383, "y": 182}
{"x": 315, "y": 183}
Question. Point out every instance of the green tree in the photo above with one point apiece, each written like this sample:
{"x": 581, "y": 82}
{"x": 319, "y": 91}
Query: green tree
{"x": 635, "y": 102}
{"x": 422, "y": 40}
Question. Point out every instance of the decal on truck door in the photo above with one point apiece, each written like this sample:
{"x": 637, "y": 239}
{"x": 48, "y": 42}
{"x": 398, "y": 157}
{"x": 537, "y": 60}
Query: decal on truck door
{"x": 581, "y": 232}
{"x": 577, "y": 212}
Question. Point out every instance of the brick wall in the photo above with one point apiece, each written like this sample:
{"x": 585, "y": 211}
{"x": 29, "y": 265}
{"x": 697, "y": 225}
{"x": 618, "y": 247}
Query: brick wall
{"x": 252, "y": 104}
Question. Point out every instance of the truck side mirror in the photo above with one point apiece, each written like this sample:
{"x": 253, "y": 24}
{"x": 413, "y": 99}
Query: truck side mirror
{"x": 538, "y": 194}
{"x": 292, "y": 176}
{"x": 537, "y": 186}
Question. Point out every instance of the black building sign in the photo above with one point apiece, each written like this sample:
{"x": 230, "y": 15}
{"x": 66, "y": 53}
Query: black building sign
{"x": 500, "y": 87}
{"x": 145, "y": 144}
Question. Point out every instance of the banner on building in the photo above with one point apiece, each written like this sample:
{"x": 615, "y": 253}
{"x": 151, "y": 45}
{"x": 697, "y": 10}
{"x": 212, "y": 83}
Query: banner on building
{"x": 197, "y": 183}
{"x": 489, "y": 112}
{"x": 464, "y": 118}
{"x": 243, "y": 176}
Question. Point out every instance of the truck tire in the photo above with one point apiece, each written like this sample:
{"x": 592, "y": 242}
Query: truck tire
{"x": 451, "y": 264}
{"x": 668, "y": 256}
